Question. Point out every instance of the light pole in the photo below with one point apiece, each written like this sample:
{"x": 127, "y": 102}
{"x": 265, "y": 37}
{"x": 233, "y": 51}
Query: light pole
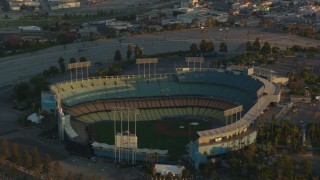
{"x": 202, "y": 31}
{"x": 260, "y": 41}
{"x": 226, "y": 31}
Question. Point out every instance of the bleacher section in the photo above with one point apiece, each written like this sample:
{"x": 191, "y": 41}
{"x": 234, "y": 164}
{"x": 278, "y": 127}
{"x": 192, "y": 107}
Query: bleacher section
{"x": 149, "y": 103}
{"x": 201, "y": 84}
{"x": 154, "y": 109}
{"x": 156, "y": 114}
{"x": 241, "y": 126}
{"x": 228, "y": 79}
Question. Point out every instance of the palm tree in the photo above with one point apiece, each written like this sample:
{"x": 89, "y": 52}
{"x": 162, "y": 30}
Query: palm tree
{"x": 156, "y": 155}
{"x": 277, "y": 136}
{"x": 313, "y": 130}
{"x": 295, "y": 131}
{"x": 194, "y": 49}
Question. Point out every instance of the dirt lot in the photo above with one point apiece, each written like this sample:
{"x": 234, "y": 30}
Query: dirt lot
{"x": 306, "y": 113}
{"x": 294, "y": 64}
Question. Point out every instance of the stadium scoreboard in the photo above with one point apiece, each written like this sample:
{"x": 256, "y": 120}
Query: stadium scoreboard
{"x": 124, "y": 140}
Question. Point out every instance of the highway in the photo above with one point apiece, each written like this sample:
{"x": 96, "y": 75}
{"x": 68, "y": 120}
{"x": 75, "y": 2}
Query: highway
{"x": 24, "y": 66}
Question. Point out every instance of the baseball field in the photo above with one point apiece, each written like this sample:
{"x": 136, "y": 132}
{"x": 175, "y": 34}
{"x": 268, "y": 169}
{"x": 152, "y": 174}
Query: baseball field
{"x": 171, "y": 134}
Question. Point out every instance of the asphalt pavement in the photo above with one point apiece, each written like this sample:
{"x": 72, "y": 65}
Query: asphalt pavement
{"x": 23, "y": 66}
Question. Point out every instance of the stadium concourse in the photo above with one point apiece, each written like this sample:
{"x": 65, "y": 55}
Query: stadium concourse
{"x": 234, "y": 98}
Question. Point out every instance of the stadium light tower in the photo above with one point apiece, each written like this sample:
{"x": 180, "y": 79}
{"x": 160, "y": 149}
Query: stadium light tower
{"x": 145, "y": 61}
{"x": 77, "y": 65}
{"x": 194, "y": 60}
{"x": 125, "y": 141}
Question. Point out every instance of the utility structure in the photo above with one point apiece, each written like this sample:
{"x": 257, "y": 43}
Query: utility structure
{"x": 126, "y": 141}
{"x": 194, "y": 60}
{"x": 233, "y": 114}
{"x": 81, "y": 65}
{"x": 145, "y": 61}
{"x": 61, "y": 115}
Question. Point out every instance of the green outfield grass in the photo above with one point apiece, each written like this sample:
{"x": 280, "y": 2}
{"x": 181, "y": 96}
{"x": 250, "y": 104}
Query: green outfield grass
{"x": 160, "y": 134}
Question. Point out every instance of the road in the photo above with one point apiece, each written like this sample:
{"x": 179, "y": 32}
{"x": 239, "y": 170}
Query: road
{"x": 23, "y": 66}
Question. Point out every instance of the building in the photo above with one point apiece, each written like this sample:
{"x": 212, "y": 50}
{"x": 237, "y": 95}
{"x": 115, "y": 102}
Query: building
{"x": 88, "y": 32}
{"x": 16, "y": 5}
{"x": 236, "y": 100}
{"x": 240, "y": 70}
{"x": 164, "y": 170}
{"x": 55, "y": 5}
{"x": 300, "y": 99}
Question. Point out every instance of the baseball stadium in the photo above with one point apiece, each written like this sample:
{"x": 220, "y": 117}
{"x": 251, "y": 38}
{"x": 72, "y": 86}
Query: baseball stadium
{"x": 199, "y": 112}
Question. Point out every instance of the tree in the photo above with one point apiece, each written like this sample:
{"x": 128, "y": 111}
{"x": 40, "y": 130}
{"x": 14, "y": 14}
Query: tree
{"x": 66, "y": 37}
{"x": 313, "y": 130}
{"x": 57, "y": 171}
{"x": 195, "y": 23}
{"x": 81, "y": 176}
{"x": 153, "y": 171}
{"x": 306, "y": 167}
{"x": 70, "y": 176}
{"x": 185, "y": 173}
{"x": 15, "y": 155}
{"x": 210, "y": 22}
{"x": 12, "y": 171}
{"x": 72, "y": 60}
{"x": 83, "y": 59}
{"x": 21, "y": 91}
{"x": 129, "y": 51}
{"x": 244, "y": 21}
{"x": 46, "y": 73}
{"x": 137, "y": 51}
{"x": 203, "y": 46}
{"x": 26, "y": 159}
{"x": 275, "y": 50}
{"x": 62, "y": 65}
{"x": 47, "y": 166}
{"x": 206, "y": 47}
{"x": 169, "y": 176}
{"x": 39, "y": 84}
{"x": 214, "y": 175}
{"x": 256, "y": 45}
{"x": 53, "y": 70}
{"x": 223, "y": 47}
{"x": 117, "y": 55}
{"x": 4, "y": 148}
{"x": 266, "y": 22}
{"x": 194, "y": 49}
{"x": 284, "y": 166}
{"x": 35, "y": 159}
{"x": 249, "y": 46}
{"x": 266, "y": 48}
{"x": 210, "y": 47}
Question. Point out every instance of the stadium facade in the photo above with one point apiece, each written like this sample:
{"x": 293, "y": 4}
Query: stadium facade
{"x": 238, "y": 99}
